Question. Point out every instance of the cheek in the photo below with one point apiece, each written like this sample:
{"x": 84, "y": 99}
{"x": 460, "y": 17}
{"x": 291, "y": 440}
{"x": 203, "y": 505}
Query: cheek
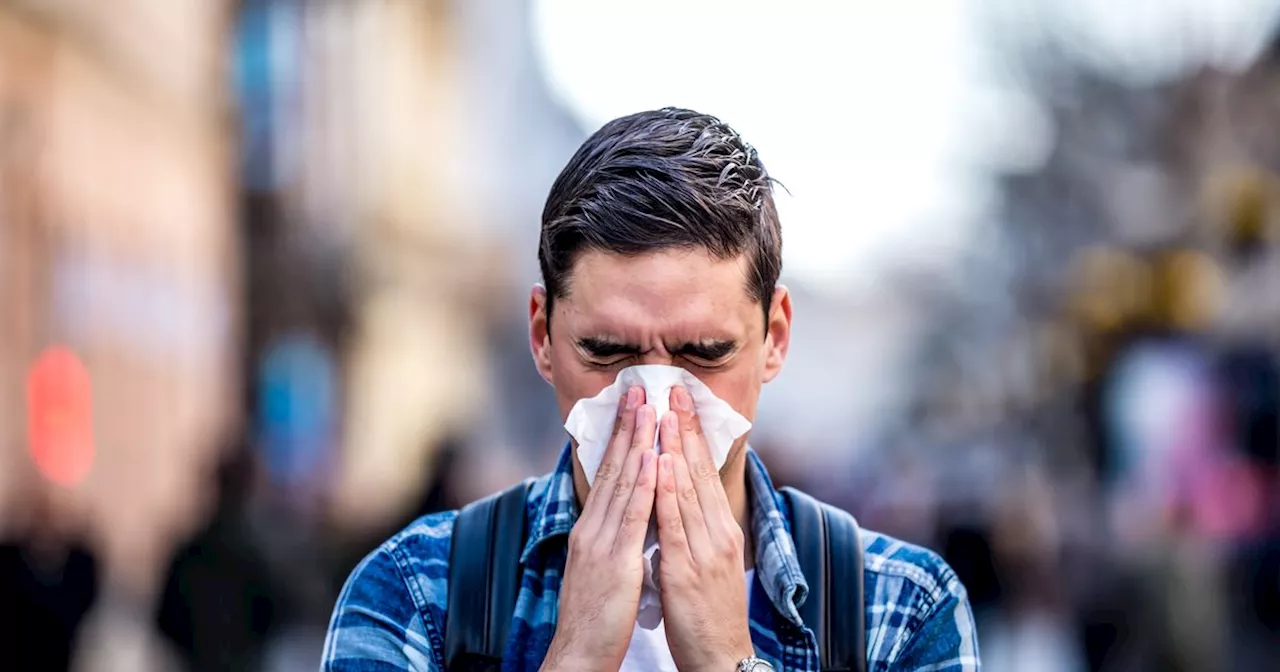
{"x": 574, "y": 382}
{"x": 739, "y": 387}
{"x": 579, "y": 384}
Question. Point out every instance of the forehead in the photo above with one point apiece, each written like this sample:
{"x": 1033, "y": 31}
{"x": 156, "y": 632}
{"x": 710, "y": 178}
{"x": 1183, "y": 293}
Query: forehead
{"x": 684, "y": 293}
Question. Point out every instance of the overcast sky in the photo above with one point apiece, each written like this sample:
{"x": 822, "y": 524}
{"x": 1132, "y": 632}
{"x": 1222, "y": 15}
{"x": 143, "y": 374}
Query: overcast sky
{"x": 873, "y": 114}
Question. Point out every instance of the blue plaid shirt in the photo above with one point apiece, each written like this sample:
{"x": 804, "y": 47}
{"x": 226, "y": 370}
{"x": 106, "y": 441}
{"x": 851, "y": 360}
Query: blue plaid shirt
{"x": 391, "y": 613}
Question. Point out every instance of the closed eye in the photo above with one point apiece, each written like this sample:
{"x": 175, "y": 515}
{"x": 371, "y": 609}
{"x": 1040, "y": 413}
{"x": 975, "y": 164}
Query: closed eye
{"x": 603, "y": 353}
{"x": 707, "y": 354}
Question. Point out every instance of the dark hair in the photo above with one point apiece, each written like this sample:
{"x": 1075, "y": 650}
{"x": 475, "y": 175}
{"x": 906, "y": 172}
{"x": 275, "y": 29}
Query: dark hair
{"x": 662, "y": 179}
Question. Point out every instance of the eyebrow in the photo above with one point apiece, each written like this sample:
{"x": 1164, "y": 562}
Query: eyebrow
{"x": 604, "y": 347}
{"x": 709, "y": 350}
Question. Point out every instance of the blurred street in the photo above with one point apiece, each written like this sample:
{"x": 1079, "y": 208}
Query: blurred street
{"x": 264, "y": 275}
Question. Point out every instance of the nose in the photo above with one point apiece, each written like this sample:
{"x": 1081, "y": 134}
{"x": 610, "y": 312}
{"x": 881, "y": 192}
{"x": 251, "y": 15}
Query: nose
{"x": 657, "y": 355}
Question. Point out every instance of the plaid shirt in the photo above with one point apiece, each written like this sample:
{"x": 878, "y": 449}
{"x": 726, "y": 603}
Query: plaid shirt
{"x": 391, "y": 613}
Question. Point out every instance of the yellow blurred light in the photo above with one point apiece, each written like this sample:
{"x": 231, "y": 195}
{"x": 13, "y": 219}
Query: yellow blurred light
{"x": 1110, "y": 289}
{"x": 1191, "y": 289}
{"x": 1240, "y": 201}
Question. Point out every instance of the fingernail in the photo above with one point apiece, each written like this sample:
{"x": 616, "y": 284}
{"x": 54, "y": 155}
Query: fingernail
{"x": 672, "y": 421}
{"x": 633, "y": 398}
{"x": 682, "y": 400}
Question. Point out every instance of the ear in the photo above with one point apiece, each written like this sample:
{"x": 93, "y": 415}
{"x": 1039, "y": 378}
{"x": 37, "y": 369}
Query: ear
{"x": 777, "y": 333}
{"x": 540, "y": 332}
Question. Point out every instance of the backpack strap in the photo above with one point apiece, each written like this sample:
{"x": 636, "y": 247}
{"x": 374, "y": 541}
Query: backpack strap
{"x": 830, "y": 550}
{"x": 484, "y": 579}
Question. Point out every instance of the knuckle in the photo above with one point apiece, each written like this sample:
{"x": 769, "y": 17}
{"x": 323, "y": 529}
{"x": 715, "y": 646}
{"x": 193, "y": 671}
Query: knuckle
{"x": 705, "y": 471}
{"x": 623, "y": 488}
{"x": 729, "y": 549}
{"x": 607, "y": 471}
{"x": 576, "y": 543}
{"x": 689, "y": 495}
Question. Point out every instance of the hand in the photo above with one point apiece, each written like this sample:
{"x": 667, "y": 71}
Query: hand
{"x": 603, "y": 574}
{"x": 704, "y": 593}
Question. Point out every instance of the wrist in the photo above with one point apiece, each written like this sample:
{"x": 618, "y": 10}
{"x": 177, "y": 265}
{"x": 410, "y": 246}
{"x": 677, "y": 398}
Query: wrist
{"x": 754, "y": 664}
{"x": 733, "y": 660}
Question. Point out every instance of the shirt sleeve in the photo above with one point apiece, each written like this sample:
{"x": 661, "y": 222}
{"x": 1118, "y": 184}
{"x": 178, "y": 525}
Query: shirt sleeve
{"x": 376, "y": 627}
{"x": 947, "y": 639}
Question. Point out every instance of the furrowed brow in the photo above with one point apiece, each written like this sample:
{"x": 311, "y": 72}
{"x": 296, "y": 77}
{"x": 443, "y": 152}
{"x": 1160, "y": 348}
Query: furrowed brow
{"x": 603, "y": 347}
{"x": 709, "y": 350}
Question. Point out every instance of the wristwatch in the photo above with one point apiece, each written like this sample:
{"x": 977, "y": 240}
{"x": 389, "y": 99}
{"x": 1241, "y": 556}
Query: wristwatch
{"x": 754, "y": 664}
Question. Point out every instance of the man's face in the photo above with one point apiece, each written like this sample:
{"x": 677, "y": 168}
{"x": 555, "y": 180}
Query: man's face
{"x": 675, "y": 307}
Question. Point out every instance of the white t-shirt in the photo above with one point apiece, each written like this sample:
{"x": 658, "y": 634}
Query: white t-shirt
{"x": 649, "y": 651}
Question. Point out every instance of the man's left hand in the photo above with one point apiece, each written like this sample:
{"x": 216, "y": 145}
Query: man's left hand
{"x": 704, "y": 593}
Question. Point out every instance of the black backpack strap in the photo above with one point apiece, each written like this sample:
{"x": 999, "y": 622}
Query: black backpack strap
{"x": 830, "y": 551}
{"x": 484, "y": 579}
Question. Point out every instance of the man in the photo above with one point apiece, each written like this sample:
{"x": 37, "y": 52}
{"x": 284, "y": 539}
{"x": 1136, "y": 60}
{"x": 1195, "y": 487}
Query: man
{"x": 660, "y": 245}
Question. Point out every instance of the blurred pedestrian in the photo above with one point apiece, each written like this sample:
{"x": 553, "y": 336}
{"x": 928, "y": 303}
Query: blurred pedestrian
{"x": 49, "y": 581}
{"x": 219, "y": 604}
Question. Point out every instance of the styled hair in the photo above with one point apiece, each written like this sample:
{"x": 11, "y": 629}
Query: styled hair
{"x": 657, "y": 180}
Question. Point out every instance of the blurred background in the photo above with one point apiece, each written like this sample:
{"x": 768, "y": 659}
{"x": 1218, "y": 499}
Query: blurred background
{"x": 264, "y": 270}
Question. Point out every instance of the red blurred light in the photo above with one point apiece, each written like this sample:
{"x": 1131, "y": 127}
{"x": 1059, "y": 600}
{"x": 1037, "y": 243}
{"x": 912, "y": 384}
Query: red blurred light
{"x": 60, "y": 416}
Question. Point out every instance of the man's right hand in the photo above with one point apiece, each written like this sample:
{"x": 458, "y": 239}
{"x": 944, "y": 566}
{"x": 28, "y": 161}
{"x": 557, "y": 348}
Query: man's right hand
{"x": 603, "y": 574}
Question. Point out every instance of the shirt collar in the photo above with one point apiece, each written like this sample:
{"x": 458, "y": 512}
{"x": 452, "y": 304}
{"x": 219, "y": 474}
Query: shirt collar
{"x": 777, "y": 565}
{"x": 553, "y": 508}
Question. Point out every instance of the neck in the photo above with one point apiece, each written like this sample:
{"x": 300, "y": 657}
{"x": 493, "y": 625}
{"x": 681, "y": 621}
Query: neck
{"x": 734, "y": 477}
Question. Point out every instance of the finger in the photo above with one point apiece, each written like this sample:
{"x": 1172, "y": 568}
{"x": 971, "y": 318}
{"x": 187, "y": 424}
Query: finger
{"x": 669, "y": 439}
{"x": 635, "y": 521}
{"x": 711, "y": 536}
{"x": 611, "y": 464}
{"x": 673, "y": 444}
{"x": 671, "y": 532}
{"x": 692, "y": 511}
{"x": 691, "y": 438}
{"x": 641, "y": 443}
{"x": 697, "y": 454}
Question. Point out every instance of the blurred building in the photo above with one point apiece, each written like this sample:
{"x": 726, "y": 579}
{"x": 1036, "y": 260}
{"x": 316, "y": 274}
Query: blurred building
{"x": 116, "y": 246}
{"x": 388, "y": 219}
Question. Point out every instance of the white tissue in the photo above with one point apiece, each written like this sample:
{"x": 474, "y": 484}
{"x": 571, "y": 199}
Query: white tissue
{"x": 590, "y": 424}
